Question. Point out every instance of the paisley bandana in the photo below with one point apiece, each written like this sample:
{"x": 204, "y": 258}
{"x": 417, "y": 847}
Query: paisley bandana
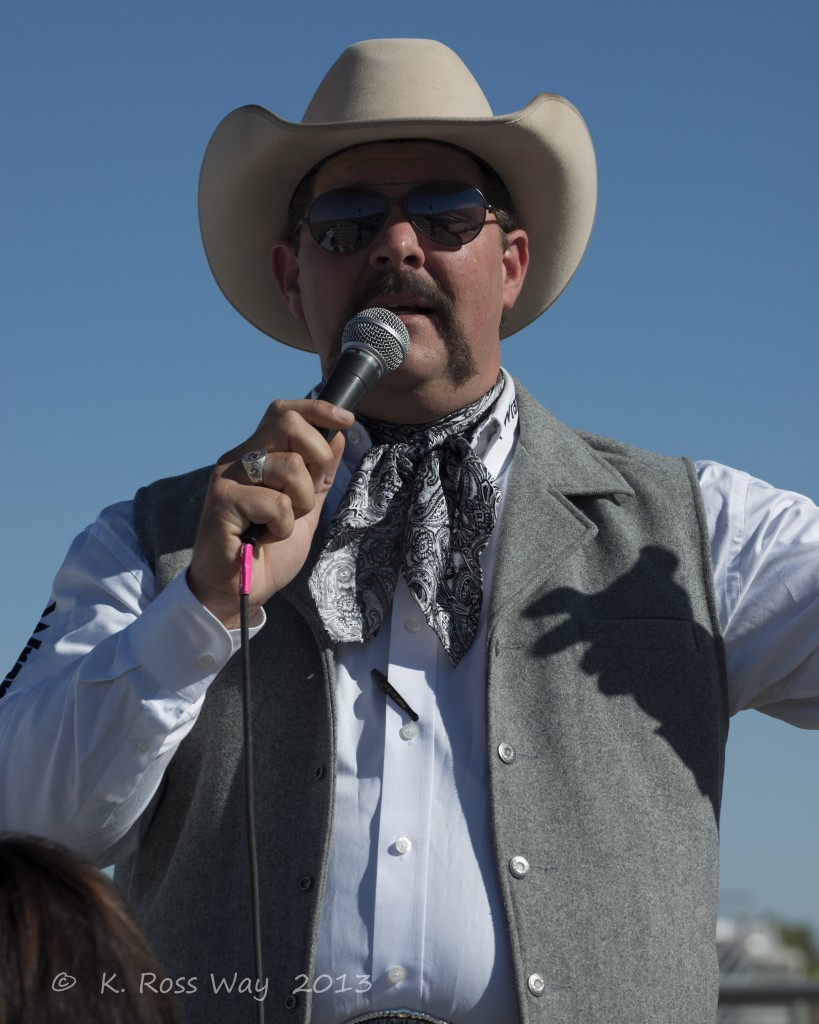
{"x": 422, "y": 503}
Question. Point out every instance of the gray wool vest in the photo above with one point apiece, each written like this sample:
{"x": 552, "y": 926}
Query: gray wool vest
{"x": 606, "y": 726}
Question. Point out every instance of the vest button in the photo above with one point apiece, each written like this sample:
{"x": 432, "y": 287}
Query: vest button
{"x": 290, "y": 1002}
{"x": 537, "y": 986}
{"x": 305, "y": 883}
{"x": 519, "y": 866}
{"x": 319, "y": 772}
{"x": 506, "y": 752}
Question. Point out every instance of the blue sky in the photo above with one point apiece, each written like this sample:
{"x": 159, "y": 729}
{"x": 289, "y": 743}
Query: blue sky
{"x": 690, "y": 327}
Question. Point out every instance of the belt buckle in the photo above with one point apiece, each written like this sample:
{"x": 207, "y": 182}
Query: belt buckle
{"x": 400, "y": 1016}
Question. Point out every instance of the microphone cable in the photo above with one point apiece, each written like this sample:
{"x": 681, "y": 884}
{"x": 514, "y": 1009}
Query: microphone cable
{"x": 374, "y": 342}
{"x": 246, "y": 576}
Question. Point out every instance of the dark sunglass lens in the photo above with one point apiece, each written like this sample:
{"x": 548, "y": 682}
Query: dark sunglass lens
{"x": 449, "y": 214}
{"x": 346, "y": 219}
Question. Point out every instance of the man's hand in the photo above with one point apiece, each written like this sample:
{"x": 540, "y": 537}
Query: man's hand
{"x": 298, "y": 473}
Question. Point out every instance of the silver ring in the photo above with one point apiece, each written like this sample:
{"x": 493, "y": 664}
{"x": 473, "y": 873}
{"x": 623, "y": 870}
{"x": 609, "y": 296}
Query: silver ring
{"x": 254, "y": 466}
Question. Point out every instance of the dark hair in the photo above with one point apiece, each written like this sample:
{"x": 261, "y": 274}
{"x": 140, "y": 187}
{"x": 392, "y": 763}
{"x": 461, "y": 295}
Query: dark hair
{"x": 494, "y": 190}
{"x": 64, "y": 931}
{"x": 497, "y": 195}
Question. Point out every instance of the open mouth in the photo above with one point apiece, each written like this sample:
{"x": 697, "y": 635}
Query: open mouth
{"x": 405, "y": 308}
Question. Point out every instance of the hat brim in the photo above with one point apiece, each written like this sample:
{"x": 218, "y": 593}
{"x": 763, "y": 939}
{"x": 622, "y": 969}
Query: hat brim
{"x": 255, "y": 160}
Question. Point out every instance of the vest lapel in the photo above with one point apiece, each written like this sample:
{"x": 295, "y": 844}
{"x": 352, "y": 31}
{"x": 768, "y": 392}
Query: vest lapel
{"x": 540, "y": 525}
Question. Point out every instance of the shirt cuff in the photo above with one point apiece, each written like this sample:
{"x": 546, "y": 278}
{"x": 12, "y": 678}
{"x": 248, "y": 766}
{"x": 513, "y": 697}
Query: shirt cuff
{"x": 180, "y": 643}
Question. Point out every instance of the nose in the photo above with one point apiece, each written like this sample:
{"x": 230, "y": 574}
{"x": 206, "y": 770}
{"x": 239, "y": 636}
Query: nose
{"x": 397, "y": 244}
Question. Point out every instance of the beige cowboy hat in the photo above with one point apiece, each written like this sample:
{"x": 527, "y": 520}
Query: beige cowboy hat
{"x": 383, "y": 89}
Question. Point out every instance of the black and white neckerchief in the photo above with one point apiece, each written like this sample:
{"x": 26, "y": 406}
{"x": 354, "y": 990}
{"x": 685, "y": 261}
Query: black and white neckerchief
{"x": 422, "y": 503}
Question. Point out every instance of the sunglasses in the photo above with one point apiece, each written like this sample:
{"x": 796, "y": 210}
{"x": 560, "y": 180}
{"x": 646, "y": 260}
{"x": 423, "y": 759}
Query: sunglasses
{"x": 347, "y": 219}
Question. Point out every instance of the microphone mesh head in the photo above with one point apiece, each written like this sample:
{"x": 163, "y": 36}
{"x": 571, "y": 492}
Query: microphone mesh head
{"x": 382, "y": 332}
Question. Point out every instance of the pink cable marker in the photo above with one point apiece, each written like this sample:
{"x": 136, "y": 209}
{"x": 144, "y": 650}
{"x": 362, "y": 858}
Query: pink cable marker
{"x": 246, "y": 572}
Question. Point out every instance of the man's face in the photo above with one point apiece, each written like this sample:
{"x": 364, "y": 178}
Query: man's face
{"x": 450, "y": 298}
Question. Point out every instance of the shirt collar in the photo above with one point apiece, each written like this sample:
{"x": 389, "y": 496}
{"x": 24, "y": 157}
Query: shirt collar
{"x": 496, "y": 428}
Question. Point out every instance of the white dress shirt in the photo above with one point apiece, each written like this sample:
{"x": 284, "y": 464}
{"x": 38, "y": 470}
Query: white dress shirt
{"x": 90, "y": 722}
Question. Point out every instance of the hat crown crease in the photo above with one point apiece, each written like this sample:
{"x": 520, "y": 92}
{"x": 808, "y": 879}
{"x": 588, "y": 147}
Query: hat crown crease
{"x": 389, "y": 79}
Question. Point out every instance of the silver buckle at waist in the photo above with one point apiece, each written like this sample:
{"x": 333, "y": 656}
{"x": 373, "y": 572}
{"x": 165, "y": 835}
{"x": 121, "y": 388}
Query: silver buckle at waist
{"x": 401, "y": 1016}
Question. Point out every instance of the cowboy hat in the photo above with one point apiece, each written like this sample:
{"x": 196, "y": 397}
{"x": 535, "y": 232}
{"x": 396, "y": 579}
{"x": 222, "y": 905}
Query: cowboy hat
{"x": 378, "y": 90}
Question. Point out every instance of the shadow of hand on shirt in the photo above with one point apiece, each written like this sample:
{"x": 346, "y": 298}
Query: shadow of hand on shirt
{"x": 642, "y": 642}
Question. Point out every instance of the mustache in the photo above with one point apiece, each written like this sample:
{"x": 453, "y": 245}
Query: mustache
{"x": 406, "y": 283}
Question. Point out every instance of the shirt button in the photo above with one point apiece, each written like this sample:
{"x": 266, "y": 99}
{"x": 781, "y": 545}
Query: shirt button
{"x": 403, "y": 845}
{"x": 207, "y": 661}
{"x": 142, "y": 747}
{"x": 506, "y": 752}
{"x": 413, "y": 625}
{"x": 537, "y": 986}
{"x": 409, "y": 731}
{"x": 396, "y": 974}
{"x": 354, "y": 435}
{"x": 519, "y": 866}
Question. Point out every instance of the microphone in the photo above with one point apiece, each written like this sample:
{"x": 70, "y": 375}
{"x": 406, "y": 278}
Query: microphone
{"x": 373, "y": 343}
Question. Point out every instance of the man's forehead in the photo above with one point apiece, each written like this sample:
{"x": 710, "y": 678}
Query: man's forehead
{"x": 399, "y": 161}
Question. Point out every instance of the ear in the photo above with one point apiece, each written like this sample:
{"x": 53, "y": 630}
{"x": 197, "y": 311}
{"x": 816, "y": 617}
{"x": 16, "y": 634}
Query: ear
{"x": 515, "y": 264}
{"x": 284, "y": 263}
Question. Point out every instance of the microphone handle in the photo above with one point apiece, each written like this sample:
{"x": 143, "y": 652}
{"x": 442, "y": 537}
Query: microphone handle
{"x": 356, "y": 371}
